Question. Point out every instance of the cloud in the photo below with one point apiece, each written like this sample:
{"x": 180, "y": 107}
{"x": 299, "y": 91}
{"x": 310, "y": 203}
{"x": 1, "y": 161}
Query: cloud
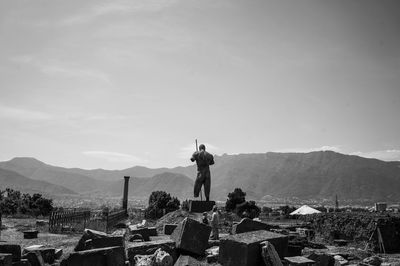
{"x": 112, "y": 8}
{"x": 115, "y": 157}
{"x": 384, "y": 155}
{"x": 187, "y": 151}
{"x": 305, "y": 150}
{"x": 24, "y": 114}
{"x": 54, "y": 67}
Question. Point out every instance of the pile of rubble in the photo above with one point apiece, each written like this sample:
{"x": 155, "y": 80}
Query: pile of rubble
{"x": 251, "y": 243}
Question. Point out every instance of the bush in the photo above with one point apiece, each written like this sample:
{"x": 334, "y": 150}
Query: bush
{"x": 158, "y": 202}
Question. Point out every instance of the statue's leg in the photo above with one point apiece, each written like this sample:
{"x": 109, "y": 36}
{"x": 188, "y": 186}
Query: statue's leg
{"x": 197, "y": 185}
{"x": 207, "y": 185}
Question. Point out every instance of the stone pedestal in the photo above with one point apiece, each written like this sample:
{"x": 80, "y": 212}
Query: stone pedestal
{"x": 200, "y": 206}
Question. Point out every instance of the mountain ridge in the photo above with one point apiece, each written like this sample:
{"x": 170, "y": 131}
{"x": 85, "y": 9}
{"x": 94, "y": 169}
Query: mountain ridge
{"x": 317, "y": 175}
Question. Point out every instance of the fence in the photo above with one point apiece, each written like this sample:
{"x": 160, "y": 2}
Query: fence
{"x": 68, "y": 220}
{"x": 78, "y": 220}
{"x": 113, "y": 218}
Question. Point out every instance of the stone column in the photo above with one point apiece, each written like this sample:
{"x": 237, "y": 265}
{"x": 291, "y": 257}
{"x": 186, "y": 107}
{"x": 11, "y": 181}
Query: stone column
{"x": 125, "y": 199}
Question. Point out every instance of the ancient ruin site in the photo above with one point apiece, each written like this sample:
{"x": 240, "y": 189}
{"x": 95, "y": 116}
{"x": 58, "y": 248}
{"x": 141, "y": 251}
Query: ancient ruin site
{"x": 199, "y": 132}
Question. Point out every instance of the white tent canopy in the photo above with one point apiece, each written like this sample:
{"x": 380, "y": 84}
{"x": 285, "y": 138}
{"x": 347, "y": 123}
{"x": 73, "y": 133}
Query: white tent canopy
{"x": 304, "y": 210}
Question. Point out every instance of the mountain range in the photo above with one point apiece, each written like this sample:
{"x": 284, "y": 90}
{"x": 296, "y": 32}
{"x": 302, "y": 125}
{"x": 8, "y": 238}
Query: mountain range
{"x": 314, "y": 175}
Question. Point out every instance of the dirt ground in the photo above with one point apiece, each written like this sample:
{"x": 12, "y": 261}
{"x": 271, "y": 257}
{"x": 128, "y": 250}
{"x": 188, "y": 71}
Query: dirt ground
{"x": 13, "y": 228}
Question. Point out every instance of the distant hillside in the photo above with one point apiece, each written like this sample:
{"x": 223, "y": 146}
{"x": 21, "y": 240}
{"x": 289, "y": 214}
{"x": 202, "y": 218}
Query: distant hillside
{"x": 38, "y": 170}
{"x": 10, "y": 179}
{"x": 314, "y": 175}
{"x": 176, "y": 184}
{"x": 93, "y": 181}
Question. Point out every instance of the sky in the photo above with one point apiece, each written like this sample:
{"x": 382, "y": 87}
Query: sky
{"x": 113, "y": 84}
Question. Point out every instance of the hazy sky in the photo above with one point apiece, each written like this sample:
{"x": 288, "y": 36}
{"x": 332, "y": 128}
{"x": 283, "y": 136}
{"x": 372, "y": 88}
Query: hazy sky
{"x": 113, "y": 84}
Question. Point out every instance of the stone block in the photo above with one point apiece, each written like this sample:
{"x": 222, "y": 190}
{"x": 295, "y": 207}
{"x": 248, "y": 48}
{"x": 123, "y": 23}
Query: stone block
{"x": 114, "y": 241}
{"x": 191, "y": 236}
{"x": 48, "y": 254}
{"x": 169, "y": 228}
{"x": 149, "y": 247}
{"x": 152, "y": 231}
{"x": 34, "y": 258}
{"x": 321, "y": 259}
{"x": 58, "y": 253}
{"x": 30, "y": 234}
{"x": 89, "y": 234}
{"x": 114, "y": 256}
{"x": 5, "y": 259}
{"x": 187, "y": 261}
{"x": 248, "y": 225}
{"x": 200, "y": 206}
{"x": 15, "y": 250}
{"x": 298, "y": 260}
{"x": 22, "y": 262}
{"x": 144, "y": 232}
{"x": 245, "y": 249}
{"x": 269, "y": 255}
{"x": 294, "y": 250}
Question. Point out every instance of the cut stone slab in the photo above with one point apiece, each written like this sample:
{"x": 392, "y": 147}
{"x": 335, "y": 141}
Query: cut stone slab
{"x": 269, "y": 255}
{"x": 321, "y": 259}
{"x": 31, "y": 234}
{"x": 58, "y": 253}
{"x": 34, "y": 258}
{"x": 89, "y": 234}
{"x": 15, "y": 250}
{"x": 245, "y": 249}
{"x": 144, "y": 232}
{"x": 114, "y": 256}
{"x": 169, "y": 228}
{"x": 5, "y": 259}
{"x": 199, "y": 206}
{"x": 48, "y": 254}
{"x": 191, "y": 236}
{"x": 152, "y": 231}
{"x": 148, "y": 248}
{"x": 114, "y": 241}
{"x": 294, "y": 250}
{"x": 249, "y": 225}
{"x": 187, "y": 261}
{"x": 299, "y": 260}
{"x": 22, "y": 262}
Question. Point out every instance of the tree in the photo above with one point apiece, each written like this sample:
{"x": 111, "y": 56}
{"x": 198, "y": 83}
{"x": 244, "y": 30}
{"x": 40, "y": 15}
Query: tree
{"x": 237, "y": 203}
{"x": 234, "y": 198}
{"x": 12, "y": 202}
{"x": 160, "y": 201}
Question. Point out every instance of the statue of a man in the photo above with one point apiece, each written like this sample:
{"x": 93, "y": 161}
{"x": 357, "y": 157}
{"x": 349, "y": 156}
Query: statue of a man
{"x": 203, "y": 160}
